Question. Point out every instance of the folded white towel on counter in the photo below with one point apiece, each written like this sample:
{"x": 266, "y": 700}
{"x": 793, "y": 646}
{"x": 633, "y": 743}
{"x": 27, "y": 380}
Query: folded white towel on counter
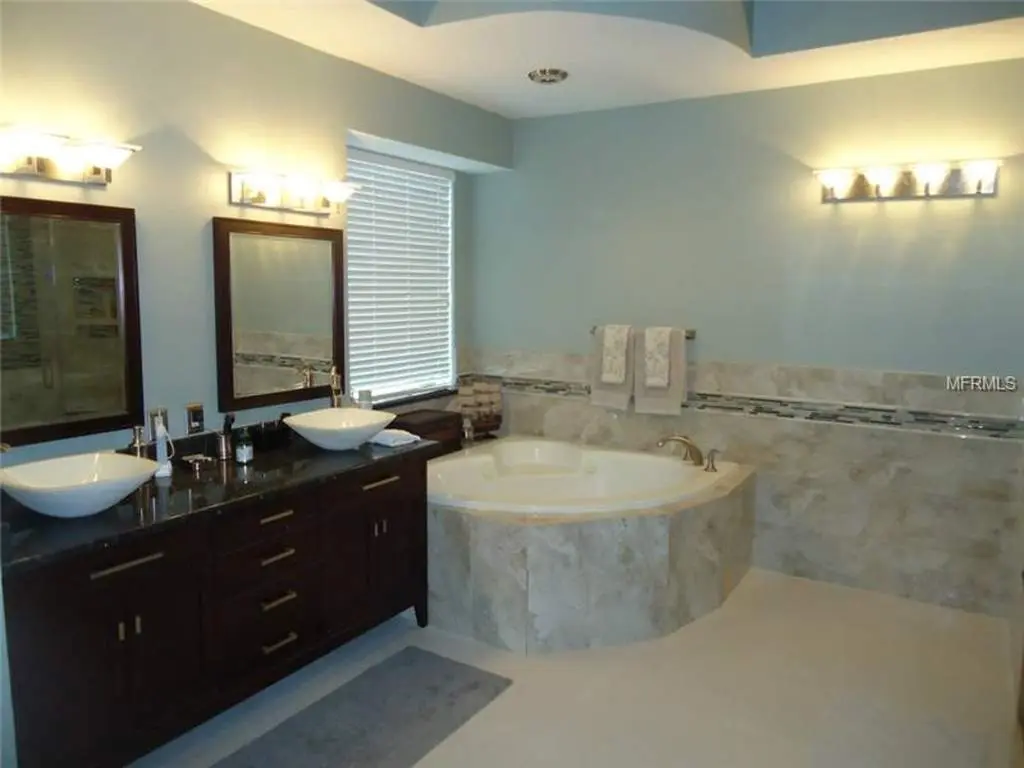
{"x": 611, "y": 395}
{"x": 663, "y": 400}
{"x": 394, "y": 437}
{"x": 614, "y": 346}
{"x": 656, "y": 357}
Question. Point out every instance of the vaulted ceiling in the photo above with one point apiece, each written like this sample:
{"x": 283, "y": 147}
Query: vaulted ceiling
{"x": 622, "y": 53}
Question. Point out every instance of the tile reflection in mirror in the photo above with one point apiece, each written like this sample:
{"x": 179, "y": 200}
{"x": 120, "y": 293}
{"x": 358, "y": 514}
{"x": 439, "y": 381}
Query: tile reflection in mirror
{"x": 282, "y": 303}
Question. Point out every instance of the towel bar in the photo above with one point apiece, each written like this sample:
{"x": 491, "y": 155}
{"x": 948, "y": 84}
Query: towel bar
{"x": 690, "y": 333}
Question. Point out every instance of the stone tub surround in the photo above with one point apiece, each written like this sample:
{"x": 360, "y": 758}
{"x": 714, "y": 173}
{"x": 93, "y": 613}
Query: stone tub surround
{"x": 933, "y": 517}
{"x": 812, "y": 384}
{"x": 537, "y": 583}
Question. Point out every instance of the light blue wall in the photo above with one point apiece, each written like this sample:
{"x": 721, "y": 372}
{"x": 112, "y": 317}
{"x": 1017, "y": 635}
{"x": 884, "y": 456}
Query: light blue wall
{"x": 706, "y": 214}
{"x": 780, "y": 26}
{"x": 201, "y": 93}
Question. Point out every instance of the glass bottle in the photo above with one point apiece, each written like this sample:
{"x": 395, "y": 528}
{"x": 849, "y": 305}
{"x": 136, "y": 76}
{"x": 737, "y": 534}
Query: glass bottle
{"x": 243, "y": 448}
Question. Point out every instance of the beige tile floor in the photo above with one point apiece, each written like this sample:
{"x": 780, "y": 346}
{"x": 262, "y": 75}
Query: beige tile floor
{"x": 789, "y": 673}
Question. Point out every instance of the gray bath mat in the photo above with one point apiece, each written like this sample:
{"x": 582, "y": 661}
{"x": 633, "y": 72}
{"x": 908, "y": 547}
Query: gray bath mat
{"x": 390, "y": 716}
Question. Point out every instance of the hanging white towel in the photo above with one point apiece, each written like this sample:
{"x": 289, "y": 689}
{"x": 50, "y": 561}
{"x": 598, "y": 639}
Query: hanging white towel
{"x": 667, "y": 401}
{"x": 615, "y": 339}
{"x": 611, "y": 395}
{"x": 656, "y": 357}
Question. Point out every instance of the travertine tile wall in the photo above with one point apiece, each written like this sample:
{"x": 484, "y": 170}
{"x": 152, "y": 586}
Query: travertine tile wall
{"x": 931, "y": 516}
{"x": 913, "y": 391}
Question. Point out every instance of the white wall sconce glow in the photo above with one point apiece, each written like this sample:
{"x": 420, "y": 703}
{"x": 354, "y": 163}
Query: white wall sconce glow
{"x": 301, "y": 194}
{"x": 972, "y": 178}
{"x": 26, "y": 152}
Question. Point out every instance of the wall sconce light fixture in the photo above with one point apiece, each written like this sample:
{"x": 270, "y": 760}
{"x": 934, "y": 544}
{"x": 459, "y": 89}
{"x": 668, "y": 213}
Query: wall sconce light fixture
{"x": 973, "y": 178}
{"x": 26, "y": 152}
{"x": 301, "y": 194}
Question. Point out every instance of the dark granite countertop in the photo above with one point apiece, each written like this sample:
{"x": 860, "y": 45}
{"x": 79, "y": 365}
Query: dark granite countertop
{"x": 29, "y": 539}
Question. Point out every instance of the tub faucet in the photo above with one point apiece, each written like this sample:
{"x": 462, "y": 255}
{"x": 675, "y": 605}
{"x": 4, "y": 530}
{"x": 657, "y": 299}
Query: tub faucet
{"x": 336, "y": 393}
{"x": 690, "y": 450}
{"x": 709, "y": 466}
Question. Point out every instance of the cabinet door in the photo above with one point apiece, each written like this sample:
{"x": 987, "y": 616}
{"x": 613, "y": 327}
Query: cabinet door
{"x": 399, "y": 549}
{"x": 346, "y": 568}
{"x": 67, "y": 650}
{"x": 166, "y": 648}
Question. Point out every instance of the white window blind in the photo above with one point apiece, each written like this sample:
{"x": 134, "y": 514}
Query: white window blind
{"x": 399, "y": 277}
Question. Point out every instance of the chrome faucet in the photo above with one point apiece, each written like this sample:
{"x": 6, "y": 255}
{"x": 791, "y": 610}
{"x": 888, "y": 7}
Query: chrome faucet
{"x": 337, "y": 400}
{"x": 307, "y": 377}
{"x": 691, "y": 451}
{"x": 4, "y": 447}
{"x": 709, "y": 465}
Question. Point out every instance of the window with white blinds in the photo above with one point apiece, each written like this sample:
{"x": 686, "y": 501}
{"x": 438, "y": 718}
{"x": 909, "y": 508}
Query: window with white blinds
{"x": 399, "y": 277}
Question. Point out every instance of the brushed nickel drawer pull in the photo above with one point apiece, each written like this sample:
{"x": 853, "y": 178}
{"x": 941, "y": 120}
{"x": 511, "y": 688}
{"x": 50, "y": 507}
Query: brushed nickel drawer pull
{"x": 125, "y": 566}
{"x": 278, "y": 516}
{"x": 385, "y": 525}
{"x": 287, "y": 597}
{"x": 138, "y": 624}
{"x": 379, "y": 483}
{"x": 376, "y": 531}
{"x": 269, "y": 649}
{"x": 120, "y": 632}
{"x": 283, "y": 555}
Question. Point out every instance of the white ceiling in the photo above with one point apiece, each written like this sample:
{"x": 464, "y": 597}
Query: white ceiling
{"x": 612, "y": 61}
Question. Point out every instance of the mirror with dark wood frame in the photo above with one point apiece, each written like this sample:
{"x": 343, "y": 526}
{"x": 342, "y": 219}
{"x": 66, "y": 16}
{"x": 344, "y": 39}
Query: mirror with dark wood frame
{"x": 70, "y": 345}
{"x": 279, "y": 302}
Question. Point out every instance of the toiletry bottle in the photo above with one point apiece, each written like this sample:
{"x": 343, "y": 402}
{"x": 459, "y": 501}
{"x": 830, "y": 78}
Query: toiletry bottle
{"x": 163, "y": 442}
{"x": 366, "y": 399}
{"x": 243, "y": 449}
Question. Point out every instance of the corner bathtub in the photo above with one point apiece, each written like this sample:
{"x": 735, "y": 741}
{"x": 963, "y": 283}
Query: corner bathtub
{"x": 537, "y": 545}
{"x": 516, "y": 475}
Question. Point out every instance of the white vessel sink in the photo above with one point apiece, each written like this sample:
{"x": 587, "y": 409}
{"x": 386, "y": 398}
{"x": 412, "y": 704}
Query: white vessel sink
{"x": 76, "y": 486}
{"x": 339, "y": 429}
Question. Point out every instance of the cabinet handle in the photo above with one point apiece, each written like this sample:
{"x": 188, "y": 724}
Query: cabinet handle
{"x": 278, "y": 516}
{"x": 379, "y": 483}
{"x": 125, "y": 566}
{"x": 287, "y": 597}
{"x": 120, "y": 632}
{"x": 138, "y": 624}
{"x": 269, "y": 649}
{"x": 376, "y": 530}
{"x": 385, "y": 526}
{"x": 284, "y": 555}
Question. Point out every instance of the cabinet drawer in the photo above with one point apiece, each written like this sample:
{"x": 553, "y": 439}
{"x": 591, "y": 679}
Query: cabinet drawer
{"x": 380, "y": 483}
{"x": 136, "y": 563}
{"x": 240, "y": 527}
{"x": 266, "y": 561}
{"x": 265, "y": 605}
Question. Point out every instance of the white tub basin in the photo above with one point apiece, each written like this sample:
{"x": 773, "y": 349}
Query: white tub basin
{"x": 76, "y": 486}
{"x": 339, "y": 429}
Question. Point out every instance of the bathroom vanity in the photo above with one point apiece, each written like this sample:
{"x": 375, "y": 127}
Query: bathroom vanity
{"x": 127, "y": 628}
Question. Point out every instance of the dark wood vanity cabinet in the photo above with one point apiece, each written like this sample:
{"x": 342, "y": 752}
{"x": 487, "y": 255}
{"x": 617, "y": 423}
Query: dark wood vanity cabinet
{"x": 118, "y": 650}
{"x": 103, "y": 648}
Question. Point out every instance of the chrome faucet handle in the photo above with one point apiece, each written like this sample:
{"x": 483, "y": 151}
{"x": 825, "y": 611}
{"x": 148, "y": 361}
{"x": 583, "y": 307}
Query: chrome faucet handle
{"x": 709, "y": 466}
{"x": 4, "y": 447}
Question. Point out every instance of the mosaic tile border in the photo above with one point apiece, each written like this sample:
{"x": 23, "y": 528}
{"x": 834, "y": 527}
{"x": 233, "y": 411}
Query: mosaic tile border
{"x": 834, "y": 413}
{"x": 320, "y": 365}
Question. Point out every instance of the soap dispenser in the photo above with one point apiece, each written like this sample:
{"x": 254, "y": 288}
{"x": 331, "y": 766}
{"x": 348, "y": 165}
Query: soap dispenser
{"x": 243, "y": 449}
{"x": 164, "y": 447}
